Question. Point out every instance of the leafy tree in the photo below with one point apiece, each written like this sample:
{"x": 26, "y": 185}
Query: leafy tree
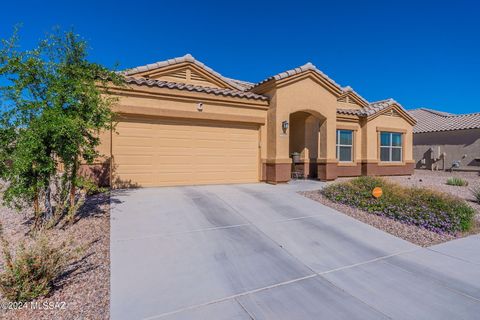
{"x": 54, "y": 102}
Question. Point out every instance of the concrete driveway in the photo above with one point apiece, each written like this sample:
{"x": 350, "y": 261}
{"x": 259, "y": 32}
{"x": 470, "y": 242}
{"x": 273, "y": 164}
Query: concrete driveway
{"x": 264, "y": 252}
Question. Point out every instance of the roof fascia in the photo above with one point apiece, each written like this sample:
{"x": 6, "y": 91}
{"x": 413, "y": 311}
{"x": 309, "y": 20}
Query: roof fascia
{"x": 188, "y": 64}
{"x": 358, "y": 99}
{"x": 182, "y": 95}
{"x": 397, "y": 108}
{"x": 312, "y": 74}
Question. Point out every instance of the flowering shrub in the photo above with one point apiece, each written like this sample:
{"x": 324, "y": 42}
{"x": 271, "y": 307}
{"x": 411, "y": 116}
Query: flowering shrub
{"x": 30, "y": 271}
{"x": 422, "y": 207}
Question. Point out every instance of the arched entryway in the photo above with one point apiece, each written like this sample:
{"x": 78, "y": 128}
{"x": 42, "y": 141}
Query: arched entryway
{"x": 305, "y": 139}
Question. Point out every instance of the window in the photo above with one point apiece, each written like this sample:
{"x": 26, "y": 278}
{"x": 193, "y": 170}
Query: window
{"x": 390, "y": 146}
{"x": 344, "y": 145}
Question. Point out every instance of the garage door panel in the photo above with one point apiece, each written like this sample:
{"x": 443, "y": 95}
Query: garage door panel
{"x": 210, "y": 144}
{"x": 173, "y": 179}
{"x": 174, "y": 168}
{"x": 213, "y": 169}
{"x": 163, "y": 142}
{"x": 158, "y": 152}
{"x": 168, "y": 152}
{"x": 242, "y": 146}
{"x": 137, "y": 159}
{"x": 241, "y": 136}
{"x": 135, "y": 168}
{"x": 238, "y": 156}
{"x": 211, "y": 162}
{"x": 241, "y": 169}
{"x": 126, "y": 150}
{"x": 134, "y": 141}
{"x": 174, "y": 135}
{"x": 162, "y": 160}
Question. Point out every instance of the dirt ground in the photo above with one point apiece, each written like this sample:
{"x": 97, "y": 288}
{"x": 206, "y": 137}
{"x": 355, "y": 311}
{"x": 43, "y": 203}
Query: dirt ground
{"x": 438, "y": 180}
{"x": 83, "y": 292}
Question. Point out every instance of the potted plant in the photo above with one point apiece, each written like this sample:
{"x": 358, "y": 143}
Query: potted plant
{"x": 295, "y": 157}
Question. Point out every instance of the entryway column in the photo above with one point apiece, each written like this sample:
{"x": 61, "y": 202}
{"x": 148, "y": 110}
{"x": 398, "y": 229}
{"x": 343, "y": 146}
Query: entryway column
{"x": 278, "y": 170}
{"x": 327, "y": 163}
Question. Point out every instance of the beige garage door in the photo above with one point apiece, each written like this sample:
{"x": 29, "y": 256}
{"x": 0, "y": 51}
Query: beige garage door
{"x": 152, "y": 152}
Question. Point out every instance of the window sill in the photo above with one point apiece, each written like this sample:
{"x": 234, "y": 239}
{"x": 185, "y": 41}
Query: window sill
{"x": 391, "y": 163}
{"x": 346, "y": 164}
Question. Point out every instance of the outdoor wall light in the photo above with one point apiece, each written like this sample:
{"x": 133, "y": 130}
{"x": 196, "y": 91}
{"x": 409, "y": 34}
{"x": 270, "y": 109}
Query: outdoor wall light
{"x": 200, "y": 106}
{"x": 284, "y": 126}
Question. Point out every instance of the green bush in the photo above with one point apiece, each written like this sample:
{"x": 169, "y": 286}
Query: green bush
{"x": 425, "y": 208}
{"x": 90, "y": 187}
{"x": 476, "y": 193}
{"x": 30, "y": 271}
{"x": 455, "y": 181}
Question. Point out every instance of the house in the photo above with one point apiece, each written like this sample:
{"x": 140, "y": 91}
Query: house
{"x": 182, "y": 123}
{"x": 445, "y": 141}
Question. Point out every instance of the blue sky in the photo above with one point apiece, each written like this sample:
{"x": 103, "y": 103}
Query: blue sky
{"x": 421, "y": 53}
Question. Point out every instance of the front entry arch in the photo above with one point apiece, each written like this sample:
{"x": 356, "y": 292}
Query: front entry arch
{"x": 305, "y": 138}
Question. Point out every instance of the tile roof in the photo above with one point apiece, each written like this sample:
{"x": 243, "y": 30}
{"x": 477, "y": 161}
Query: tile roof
{"x": 371, "y": 109}
{"x": 244, "y": 84}
{"x": 305, "y": 67}
{"x": 243, "y": 88}
{"x": 437, "y": 112}
{"x": 433, "y": 121}
{"x": 378, "y": 106}
{"x": 353, "y": 112}
{"x": 189, "y": 87}
{"x": 186, "y": 58}
{"x": 350, "y": 89}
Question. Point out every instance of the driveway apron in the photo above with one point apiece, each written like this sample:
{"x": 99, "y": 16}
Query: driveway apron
{"x": 265, "y": 252}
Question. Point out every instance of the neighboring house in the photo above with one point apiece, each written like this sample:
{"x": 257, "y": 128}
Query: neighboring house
{"x": 445, "y": 141}
{"x": 181, "y": 123}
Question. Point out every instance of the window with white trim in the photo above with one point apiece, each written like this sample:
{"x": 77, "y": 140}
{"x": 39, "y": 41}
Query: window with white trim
{"x": 345, "y": 145}
{"x": 390, "y": 146}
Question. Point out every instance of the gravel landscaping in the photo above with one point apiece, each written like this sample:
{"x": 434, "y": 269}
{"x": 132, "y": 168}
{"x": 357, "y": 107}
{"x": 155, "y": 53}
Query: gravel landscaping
{"x": 412, "y": 233}
{"x": 85, "y": 287}
{"x": 437, "y": 180}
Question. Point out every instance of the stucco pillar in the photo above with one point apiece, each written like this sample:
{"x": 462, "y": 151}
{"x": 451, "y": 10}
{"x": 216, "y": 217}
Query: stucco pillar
{"x": 327, "y": 163}
{"x": 312, "y": 127}
{"x": 278, "y": 165}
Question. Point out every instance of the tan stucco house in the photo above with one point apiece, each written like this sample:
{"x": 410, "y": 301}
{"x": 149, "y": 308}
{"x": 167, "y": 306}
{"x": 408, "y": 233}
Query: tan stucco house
{"x": 181, "y": 123}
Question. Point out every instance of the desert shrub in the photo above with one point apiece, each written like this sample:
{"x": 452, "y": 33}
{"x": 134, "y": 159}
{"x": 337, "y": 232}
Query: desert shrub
{"x": 423, "y": 207}
{"x": 476, "y": 193}
{"x": 30, "y": 271}
{"x": 89, "y": 186}
{"x": 455, "y": 181}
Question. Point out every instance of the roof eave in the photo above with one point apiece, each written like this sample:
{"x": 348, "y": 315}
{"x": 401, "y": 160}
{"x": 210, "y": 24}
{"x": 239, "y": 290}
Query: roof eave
{"x": 395, "y": 105}
{"x": 188, "y": 58}
{"x": 195, "y": 88}
{"x": 283, "y": 76}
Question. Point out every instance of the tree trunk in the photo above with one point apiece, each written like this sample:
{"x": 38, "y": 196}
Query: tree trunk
{"x": 73, "y": 183}
{"x": 48, "y": 204}
{"x": 36, "y": 210}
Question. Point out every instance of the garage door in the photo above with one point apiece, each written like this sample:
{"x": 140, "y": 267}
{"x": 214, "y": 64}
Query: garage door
{"x": 153, "y": 152}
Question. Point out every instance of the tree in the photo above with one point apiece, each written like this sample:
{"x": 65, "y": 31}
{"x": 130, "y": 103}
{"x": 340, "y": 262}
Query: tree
{"x": 54, "y": 102}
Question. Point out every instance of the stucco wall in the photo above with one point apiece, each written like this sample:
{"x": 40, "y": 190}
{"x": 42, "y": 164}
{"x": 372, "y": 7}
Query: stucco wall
{"x": 387, "y": 123}
{"x": 306, "y": 95}
{"x": 455, "y": 144}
